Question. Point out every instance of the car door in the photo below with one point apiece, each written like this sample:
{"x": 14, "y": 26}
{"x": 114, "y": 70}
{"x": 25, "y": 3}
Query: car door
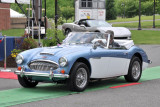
{"x": 108, "y": 62}
{"x": 81, "y": 26}
{"x": 78, "y": 28}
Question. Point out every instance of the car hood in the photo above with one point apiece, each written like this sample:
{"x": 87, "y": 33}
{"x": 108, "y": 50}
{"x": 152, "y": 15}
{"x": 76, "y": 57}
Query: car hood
{"x": 50, "y": 53}
{"x": 64, "y": 49}
{"x": 118, "y": 31}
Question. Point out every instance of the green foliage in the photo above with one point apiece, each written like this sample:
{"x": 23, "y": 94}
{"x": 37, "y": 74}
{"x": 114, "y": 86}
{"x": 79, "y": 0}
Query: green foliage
{"x": 67, "y": 12}
{"x": 51, "y": 38}
{"x": 15, "y": 52}
{"x": 110, "y": 10}
{"x": 50, "y": 6}
{"x": 147, "y": 8}
{"x": 127, "y": 7}
{"x": 28, "y": 43}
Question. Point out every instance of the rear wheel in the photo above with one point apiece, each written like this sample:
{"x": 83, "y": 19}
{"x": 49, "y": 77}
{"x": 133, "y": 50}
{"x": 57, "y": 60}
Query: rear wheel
{"x": 26, "y": 82}
{"x": 79, "y": 77}
{"x": 135, "y": 70}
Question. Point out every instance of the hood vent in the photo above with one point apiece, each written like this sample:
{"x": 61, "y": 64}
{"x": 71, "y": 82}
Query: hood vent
{"x": 45, "y": 53}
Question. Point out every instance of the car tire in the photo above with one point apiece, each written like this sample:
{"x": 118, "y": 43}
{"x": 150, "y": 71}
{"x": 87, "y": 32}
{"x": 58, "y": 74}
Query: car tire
{"x": 134, "y": 71}
{"x": 79, "y": 77}
{"x": 27, "y": 83}
{"x": 67, "y": 31}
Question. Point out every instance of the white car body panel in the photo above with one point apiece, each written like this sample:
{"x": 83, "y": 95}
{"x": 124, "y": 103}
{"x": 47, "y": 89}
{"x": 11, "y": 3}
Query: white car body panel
{"x": 105, "y": 67}
{"x": 118, "y": 31}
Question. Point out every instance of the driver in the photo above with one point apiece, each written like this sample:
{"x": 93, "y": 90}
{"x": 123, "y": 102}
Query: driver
{"x": 112, "y": 43}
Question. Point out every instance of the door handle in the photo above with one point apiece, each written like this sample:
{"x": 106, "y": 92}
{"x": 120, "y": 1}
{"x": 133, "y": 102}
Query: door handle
{"x": 125, "y": 53}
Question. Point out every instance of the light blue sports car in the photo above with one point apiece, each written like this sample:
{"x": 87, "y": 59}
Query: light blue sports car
{"x": 79, "y": 59}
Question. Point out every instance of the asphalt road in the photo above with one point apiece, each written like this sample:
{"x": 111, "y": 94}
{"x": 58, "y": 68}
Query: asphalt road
{"x": 143, "y": 95}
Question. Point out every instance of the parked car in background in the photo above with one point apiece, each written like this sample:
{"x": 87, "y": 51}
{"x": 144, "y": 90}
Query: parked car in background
{"x": 80, "y": 59}
{"x": 92, "y": 25}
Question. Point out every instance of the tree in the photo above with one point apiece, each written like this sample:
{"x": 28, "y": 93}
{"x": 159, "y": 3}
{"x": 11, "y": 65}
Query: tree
{"x": 110, "y": 10}
{"x": 147, "y": 8}
{"x": 129, "y": 7}
{"x": 67, "y": 12}
{"x": 50, "y": 7}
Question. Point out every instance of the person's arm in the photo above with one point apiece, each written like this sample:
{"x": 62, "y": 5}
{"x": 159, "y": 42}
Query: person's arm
{"x": 100, "y": 41}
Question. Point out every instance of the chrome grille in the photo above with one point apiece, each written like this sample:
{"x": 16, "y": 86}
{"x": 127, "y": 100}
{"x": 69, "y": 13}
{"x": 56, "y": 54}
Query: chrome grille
{"x": 42, "y": 65}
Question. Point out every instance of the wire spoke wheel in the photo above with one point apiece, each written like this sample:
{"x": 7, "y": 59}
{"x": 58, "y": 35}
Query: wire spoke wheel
{"x": 81, "y": 78}
{"x": 136, "y": 69}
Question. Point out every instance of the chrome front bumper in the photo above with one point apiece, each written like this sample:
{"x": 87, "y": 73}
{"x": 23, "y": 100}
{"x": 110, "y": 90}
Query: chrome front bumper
{"x": 50, "y": 75}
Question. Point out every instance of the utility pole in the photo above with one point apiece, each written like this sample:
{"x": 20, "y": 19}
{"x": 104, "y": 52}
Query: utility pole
{"x": 45, "y": 18}
{"x": 139, "y": 25}
{"x": 33, "y": 16}
{"x": 56, "y": 20}
{"x": 154, "y": 14}
{"x": 39, "y": 20}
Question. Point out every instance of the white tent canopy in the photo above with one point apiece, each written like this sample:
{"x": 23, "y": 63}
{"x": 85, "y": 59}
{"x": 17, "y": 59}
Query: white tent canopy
{"x": 19, "y": 1}
{"x": 15, "y": 14}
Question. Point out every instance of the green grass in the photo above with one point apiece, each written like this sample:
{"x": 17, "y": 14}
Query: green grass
{"x": 13, "y": 32}
{"x": 119, "y": 19}
{"x": 135, "y": 24}
{"x": 145, "y": 37}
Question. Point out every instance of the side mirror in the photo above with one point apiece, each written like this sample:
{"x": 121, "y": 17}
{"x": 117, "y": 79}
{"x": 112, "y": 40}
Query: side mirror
{"x": 83, "y": 26}
{"x": 95, "y": 45}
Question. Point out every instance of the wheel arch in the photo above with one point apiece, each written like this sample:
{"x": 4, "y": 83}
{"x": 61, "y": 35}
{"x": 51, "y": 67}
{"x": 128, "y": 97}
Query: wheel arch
{"x": 85, "y": 61}
{"x": 67, "y": 29}
{"x": 139, "y": 56}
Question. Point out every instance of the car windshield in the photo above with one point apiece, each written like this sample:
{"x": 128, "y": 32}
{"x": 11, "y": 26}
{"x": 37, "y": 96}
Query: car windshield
{"x": 98, "y": 23}
{"x": 82, "y": 37}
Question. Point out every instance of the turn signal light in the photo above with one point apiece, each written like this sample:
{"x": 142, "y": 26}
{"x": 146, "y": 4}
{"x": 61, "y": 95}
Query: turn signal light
{"x": 62, "y": 71}
{"x": 19, "y": 68}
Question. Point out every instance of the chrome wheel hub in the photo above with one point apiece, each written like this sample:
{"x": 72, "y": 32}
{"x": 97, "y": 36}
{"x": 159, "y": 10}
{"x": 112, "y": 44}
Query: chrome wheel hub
{"x": 81, "y": 77}
{"x": 136, "y": 70}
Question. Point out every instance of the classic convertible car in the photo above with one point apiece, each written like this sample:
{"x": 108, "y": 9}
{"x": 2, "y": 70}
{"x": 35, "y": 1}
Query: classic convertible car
{"x": 79, "y": 59}
{"x": 92, "y": 25}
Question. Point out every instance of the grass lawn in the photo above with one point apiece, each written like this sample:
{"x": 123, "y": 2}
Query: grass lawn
{"x": 135, "y": 24}
{"x": 13, "y": 32}
{"x": 134, "y": 19}
{"x": 146, "y": 37}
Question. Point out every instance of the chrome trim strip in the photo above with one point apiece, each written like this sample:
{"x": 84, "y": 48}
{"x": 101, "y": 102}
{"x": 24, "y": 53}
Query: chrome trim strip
{"x": 22, "y": 73}
{"x": 44, "y": 61}
{"x": 43, "y": 53}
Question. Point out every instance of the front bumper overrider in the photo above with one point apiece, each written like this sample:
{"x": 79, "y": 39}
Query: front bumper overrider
{"x": 50, "y": 75}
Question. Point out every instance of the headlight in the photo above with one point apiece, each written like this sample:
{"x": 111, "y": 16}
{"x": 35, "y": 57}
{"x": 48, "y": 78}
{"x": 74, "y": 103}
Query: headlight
{"x": 63, "y": 62}
{"x": 19, "y": 59}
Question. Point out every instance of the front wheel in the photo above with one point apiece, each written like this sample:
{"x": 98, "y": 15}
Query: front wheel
{"x": 135, "y": 70}
{"x": 26, "y": 82}
{"x": 79, "y": 77}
